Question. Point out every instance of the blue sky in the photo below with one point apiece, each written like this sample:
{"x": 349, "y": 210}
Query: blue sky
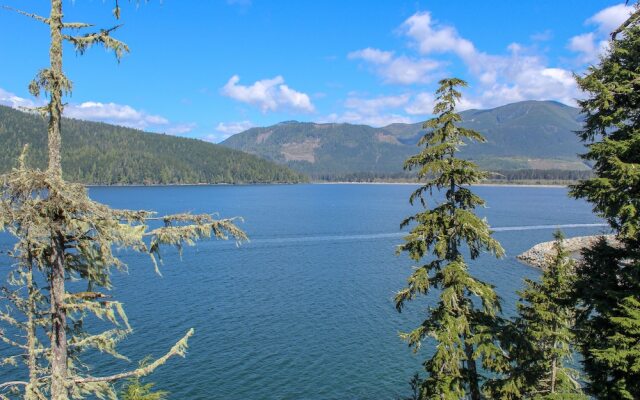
{"x": 211, "y": 68}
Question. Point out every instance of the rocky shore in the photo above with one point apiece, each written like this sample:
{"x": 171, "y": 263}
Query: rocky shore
{"x": 540, "y": 254}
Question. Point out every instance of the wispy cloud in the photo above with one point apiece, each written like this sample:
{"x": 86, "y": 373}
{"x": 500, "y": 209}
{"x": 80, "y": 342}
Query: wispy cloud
{"x": 226, "y": 129}
{"x": 376, "y": 111}
{"x": 401, "y": 69}
{"x": 111, "y": 113}
{"x": 268, "y": 95}
{"x": 115, "y": 114}
{"x": 181, "y": 129}
{"x": 231, "y": 128}
{"x": 11, "y": 100}
{"x": 591, "y": 45}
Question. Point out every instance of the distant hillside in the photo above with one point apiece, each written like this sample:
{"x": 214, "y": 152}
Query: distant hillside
{"x": 98, "y": 153}
{"x": 525, "y": 135}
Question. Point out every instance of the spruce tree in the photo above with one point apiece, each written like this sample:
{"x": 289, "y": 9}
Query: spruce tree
{"x": 463, "y": 321}
{"x": 62, "y": 235}
{"x": 608, "y": 284}
{"x": 539, "y": 343}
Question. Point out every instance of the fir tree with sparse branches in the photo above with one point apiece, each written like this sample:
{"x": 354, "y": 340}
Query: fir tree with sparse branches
{"x": 61, "y": 235}
{"x": 608, "y": 281}
{"x": 462, "y": 323}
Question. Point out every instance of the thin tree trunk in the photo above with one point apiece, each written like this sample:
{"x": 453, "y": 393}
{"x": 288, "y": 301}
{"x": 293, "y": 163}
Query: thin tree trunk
{"x": 58, "y": 313}
{"x": 472, "y": 371}
{"x": 56, "y": 77}
{"x": 59, "y": 322}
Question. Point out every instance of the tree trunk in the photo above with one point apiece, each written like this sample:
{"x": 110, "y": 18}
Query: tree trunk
{"x": 56, "y": 77}
{"x": 59, "y": 322}
{"x": 58, "y": 313}
{"x": 472, "y": 371}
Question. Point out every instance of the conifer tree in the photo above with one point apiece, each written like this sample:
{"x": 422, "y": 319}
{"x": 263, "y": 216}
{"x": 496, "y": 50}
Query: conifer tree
{"x": 462, "y": 322}
{"x": 61, "y": 235}
{"x": 539, "y": 343}
{"x": 608, "y": 281}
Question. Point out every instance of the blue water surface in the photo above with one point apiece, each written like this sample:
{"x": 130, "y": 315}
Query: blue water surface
{"x": 305, "y": 310}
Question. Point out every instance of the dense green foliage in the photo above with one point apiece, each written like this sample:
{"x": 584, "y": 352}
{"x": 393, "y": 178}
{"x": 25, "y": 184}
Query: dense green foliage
{"x": 532, "y": 135}
{"x": 98, "y": 153}
{"x": 539, "y": 342}
{"x": 608, "y": 285}
{"x": 463, "y": 321}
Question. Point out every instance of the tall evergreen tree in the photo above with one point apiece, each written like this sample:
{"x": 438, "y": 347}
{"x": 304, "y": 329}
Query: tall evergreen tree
{"x": 608, "y": 284}
{"x": 462, "y": 322}
{"x": 539, "y": 343}
{"x": 61, "y": 235}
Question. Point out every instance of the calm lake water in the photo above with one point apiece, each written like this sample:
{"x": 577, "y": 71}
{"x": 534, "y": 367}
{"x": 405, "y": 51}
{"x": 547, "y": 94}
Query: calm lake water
{"x": 305, "y": 310}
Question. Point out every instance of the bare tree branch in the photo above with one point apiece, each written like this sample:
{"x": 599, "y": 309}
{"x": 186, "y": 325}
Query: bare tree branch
{"x": 30, "y": 15}
{"x": 179, "y": 349}
{"x": 13, "y": 383}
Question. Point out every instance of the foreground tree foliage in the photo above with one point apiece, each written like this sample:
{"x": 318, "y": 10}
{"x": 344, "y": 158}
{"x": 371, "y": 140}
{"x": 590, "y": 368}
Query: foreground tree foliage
{"x": 539, "y": 342}
{"x": 608, "y": 284}
{"x": 463, "y": 321}
{"x": 64, "y": 255}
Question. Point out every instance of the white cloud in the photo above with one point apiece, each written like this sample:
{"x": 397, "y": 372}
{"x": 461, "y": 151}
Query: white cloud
{"x": 231, "y": 128}
{"x": 376, "y": 104}
{"x": 432, "y": 38}
{"x": 181, "y": 129}
{"x": 371, "y": 55}
{"x": 590, "y": 46}
{"x": 377, "y": 111}
{"x": 11, "y": 100}
{"x": 114, "y": 114}
{"x": 517, "y": 75}
{"x": 542, "y": 36}
{"x": 111, "y": 113}
{"x": 402, "y": 70}
{"x": 422, "y": 104}
{"x": 611, "y": 18}
{"x": 372, "y": 120}
{"x": 214, "y": 137}
{"x": 268, "y": 95}
{"x": 226, "y": 129}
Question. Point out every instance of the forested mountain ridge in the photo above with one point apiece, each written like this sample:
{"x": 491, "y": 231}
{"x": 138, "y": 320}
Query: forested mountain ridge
{"x": 99, "y": 153}
{"x": 535, "y": 135}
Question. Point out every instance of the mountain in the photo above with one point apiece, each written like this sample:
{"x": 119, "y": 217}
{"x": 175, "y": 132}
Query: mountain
{"x": 525, "y": 135}
{"x": 98, "y": 153}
